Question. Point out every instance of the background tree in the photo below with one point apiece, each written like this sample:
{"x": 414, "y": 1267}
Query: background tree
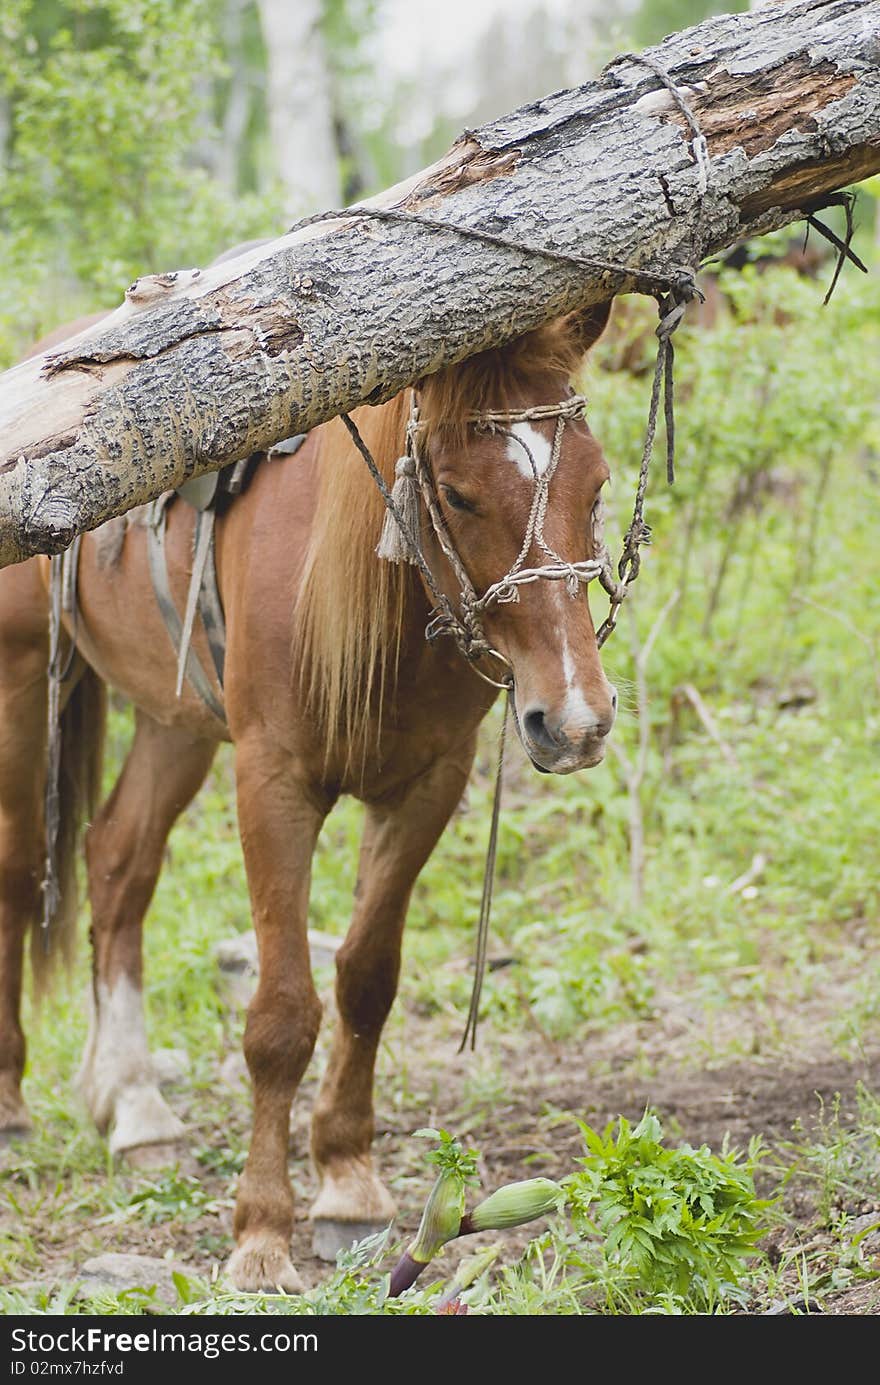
{"x": 102, "y": 178}
{"x": 300, "y": 107}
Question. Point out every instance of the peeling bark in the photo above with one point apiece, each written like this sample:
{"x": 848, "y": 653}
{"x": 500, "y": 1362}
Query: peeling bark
{"x": 223, "y": 362}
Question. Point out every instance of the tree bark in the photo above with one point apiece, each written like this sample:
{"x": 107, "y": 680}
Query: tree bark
{"x": 344, "y": 311}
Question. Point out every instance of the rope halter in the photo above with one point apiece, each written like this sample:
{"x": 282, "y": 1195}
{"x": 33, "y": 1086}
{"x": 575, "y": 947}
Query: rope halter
{"x": 401, "y": 538}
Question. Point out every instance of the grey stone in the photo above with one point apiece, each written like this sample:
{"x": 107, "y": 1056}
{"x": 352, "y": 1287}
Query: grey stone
{"x": 117, "y": 1271}
{"x": 323, "y": 947}
{"x": 238, "y": 961}
{"x": 233, "y": 1070}
{"x": 238, "y": 954}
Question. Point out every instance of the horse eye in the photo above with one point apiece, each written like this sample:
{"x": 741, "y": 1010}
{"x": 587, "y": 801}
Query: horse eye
{"x": 456, "y": 500}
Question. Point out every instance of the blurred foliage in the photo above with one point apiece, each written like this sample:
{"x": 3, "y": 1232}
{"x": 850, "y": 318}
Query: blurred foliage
{"x": 684, "y": 1220}
{"x": 654, "y": 19}
{"x": 113, "y": 144}
{"x": 101, "y": 181}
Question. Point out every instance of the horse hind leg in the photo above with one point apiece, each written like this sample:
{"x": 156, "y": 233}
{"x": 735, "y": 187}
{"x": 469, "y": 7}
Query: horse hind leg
{"x": 398, "y": 839}
{"x": 22, "y": 742}
{"x": 163, "y": 771}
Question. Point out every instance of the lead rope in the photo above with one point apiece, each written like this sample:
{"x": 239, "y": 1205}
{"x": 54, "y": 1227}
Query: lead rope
{"x": 482, "y": 942}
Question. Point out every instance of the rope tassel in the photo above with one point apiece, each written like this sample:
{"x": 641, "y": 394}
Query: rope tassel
{"x": 401, "y": 526}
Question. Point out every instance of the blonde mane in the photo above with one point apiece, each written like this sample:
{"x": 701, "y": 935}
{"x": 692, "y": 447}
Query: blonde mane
{"x": 350, "y": 607}
{"x": 350, "y": 612}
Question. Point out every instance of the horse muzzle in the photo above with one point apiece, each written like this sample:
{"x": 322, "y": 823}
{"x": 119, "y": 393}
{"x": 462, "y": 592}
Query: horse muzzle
{"x": 559, "y": 746}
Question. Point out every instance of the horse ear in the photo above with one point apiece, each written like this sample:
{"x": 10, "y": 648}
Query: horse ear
{"x": 586, "y": 325}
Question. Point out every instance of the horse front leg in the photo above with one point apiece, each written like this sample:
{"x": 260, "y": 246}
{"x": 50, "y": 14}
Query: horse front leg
{"x": 279, "y": 822}
{"x": 399, "y": 836}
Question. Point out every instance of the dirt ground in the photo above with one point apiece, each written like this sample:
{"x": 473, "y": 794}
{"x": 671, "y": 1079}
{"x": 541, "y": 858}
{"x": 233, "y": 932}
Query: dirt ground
{"x": 783, "y": 1097}
{"x": 516, "y": 1100}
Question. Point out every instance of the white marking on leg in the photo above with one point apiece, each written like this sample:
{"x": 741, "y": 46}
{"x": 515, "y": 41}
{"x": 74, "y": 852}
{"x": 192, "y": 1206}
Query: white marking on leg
{"x": 117, "y": 1077}
{"x": 142, "y": 1117}
{"x": 351, "y": 1191}
{"x": 539, "y": 446}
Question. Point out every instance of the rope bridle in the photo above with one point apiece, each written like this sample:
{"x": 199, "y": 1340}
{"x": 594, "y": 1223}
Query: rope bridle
{"x": 465, "y": 625}
{"x": 467, "y": 628}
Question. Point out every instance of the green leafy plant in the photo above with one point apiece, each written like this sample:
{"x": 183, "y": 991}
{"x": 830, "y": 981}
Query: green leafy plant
{"x": 450, "y": 1156}
{"x": 674, "y": 1224}
{"x": 680, "y": 1220}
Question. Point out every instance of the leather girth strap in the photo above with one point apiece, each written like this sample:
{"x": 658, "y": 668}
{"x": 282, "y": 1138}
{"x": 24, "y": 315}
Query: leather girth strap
{"x": 202, "y": 593}
{"x": 203, "y": 493}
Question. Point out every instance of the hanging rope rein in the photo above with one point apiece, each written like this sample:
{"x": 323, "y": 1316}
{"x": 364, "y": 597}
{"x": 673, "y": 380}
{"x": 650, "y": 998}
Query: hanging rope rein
{"x": 482, "y": 939}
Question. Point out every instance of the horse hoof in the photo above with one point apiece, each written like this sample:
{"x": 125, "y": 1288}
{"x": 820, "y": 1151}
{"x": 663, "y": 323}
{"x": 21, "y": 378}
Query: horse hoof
{"x": 155, "y": 1156}
{"x": 329, "y": 1236}
{"x": 143, "y": 1120}
{"x": 262, "y": 1267}
{"x": 19, "y": 1130}
{"x": 15, "y": 1118}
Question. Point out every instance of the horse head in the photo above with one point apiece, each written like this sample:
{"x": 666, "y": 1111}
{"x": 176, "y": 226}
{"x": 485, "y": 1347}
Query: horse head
{"x": 511, "y": 529}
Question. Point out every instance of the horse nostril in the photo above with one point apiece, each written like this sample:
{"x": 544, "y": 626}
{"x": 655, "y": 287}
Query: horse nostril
{"x": 537, "y": 730}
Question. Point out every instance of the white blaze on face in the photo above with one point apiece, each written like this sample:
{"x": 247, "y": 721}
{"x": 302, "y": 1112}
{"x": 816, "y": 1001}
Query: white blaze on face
{"x": 577, "y": 714}
{"x": 540, "y": 447}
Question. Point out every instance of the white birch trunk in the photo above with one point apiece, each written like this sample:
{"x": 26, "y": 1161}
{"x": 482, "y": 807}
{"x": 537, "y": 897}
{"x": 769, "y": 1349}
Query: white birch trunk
{"x": 300, "y": 110}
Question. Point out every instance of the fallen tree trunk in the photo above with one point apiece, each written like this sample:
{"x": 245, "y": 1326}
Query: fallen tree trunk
{"x": 213, "y": 365}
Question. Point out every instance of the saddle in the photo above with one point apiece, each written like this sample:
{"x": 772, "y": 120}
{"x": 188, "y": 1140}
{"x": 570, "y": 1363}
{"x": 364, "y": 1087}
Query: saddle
{"x": 208, "y": 495}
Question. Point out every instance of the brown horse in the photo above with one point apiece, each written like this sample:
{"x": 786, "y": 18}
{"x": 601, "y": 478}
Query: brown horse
{"x": 330, "y": 689}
